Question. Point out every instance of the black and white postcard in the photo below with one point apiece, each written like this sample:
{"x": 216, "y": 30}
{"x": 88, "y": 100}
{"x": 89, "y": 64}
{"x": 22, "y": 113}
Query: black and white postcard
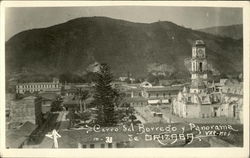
{"x": 125, "y": 79}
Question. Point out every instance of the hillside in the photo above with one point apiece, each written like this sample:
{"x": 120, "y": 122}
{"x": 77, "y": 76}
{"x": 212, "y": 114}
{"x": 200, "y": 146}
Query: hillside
{"x": 232, "y": 31}
{"x": 128, "y": 47}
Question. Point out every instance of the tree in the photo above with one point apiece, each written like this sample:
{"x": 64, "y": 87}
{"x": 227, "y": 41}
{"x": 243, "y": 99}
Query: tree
{"x": 82, "y": 95}
{"x": 130, "y": 111}
{"x": 56, "y": 106}
{"x": 84, "y": 116}
{"x": 71, "y": 117}
{"x": 105, "y": 97}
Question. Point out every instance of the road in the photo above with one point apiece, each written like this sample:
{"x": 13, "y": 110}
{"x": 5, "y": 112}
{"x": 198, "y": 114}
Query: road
{"x": 55, "y": 122}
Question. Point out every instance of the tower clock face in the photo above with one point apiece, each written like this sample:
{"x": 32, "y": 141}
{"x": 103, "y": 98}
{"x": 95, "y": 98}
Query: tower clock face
{"x": 200, "y": 52}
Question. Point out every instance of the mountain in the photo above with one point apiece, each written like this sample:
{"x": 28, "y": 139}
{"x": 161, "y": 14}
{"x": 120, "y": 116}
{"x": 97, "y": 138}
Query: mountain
{"x": 73, "y": 46}
{"x": 232, "y": 31}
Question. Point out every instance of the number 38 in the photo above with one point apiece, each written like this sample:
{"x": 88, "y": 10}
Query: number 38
{"x": 108, "y": 140}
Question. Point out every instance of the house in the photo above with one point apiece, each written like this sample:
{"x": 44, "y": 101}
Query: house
{"x": 137, "y": 101}
{"x": 153, "y": 95}
{"x": 71, "y": 89}
{"x": 233, "y": 87}
{"x": 232, "y": 106}
{"x": 160, "y": 91}
{"x": 47, "y": 99}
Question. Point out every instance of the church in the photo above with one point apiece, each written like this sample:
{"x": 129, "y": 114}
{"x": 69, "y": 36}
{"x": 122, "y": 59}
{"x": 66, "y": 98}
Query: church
{"x": 201, "y": 99}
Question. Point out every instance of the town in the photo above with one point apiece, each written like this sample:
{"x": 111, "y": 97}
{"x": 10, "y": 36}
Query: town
{"x": 35, "y": 109}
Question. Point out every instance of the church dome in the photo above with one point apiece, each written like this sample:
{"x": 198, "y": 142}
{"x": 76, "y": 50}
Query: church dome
{"x": 199, "y": 43}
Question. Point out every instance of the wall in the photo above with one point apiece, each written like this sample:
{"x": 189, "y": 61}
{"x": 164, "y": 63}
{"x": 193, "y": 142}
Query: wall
{"x": 193, "y": 111}
{"x": 22, "y": 111}
{"x": 36, "y": 87}
{"x": 206, "y": 111}
{"x": 26, "y": 110}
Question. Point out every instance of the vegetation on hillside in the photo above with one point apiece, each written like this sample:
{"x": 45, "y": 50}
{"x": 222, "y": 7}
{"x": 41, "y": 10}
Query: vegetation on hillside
{"x": 66, "y": 50}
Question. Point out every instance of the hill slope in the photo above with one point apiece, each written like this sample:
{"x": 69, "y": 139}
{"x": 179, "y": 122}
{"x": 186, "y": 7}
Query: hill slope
{"x": 232, "y": 31}
{"x": 126, "y": 46}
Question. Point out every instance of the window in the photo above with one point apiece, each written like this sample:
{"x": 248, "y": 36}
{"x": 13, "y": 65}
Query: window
{"x": 102, "y": 145}
{"x": 84, "y": 146}
{"x": 92, "y": 145}
{"x": 200, "y": 67}
{"x": 109, "y": 145}
{"x": 149, "y": 95}
{"x": 157, "y": 95}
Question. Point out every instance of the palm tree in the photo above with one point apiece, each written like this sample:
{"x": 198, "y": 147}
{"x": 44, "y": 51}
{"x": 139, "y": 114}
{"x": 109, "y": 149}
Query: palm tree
{"x": 82, "y": 95}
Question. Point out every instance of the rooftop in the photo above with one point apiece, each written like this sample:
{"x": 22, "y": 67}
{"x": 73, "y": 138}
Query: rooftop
{"x": 49, "y": 96}
{"x": 15, "y": 137}
{"x": 169, "y": 88}
{"x": 136, "y": 99}
{"x": 199, "y": 43}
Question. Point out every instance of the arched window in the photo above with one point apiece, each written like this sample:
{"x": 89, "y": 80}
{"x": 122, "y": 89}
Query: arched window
{"x": 200, "y": 67}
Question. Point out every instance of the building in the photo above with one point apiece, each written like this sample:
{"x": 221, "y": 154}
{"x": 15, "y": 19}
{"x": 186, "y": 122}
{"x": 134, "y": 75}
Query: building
{"x": 198, "y": 68}
{"x": 9, "y": 98}
{"x": 47, "y": 99}
{"x": 202, "y": 99}
{"x": 157, "y": 95}
{"x": 232, "y": 87}
{"x": 137, "y": 101}
{"x": 26, "y": 109}
{"x": 146, "y": 94}
{"x": 32, "y": 87}
{"x": 71, "y": 89}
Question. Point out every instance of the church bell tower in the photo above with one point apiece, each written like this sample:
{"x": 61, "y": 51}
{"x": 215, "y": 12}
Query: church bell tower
{"x": 198, "y": 67}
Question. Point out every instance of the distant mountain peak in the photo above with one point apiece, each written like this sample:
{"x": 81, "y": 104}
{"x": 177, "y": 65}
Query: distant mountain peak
{"x": 231, "y": 31}
{"x": 125, "y": 46}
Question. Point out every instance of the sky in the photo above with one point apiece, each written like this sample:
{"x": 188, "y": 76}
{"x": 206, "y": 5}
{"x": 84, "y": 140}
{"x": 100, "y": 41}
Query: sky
{"x": 25, "y": 18}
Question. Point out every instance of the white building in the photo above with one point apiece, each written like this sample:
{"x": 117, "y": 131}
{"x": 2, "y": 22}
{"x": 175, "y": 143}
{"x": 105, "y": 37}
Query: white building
{"x": 32, "y": 87}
